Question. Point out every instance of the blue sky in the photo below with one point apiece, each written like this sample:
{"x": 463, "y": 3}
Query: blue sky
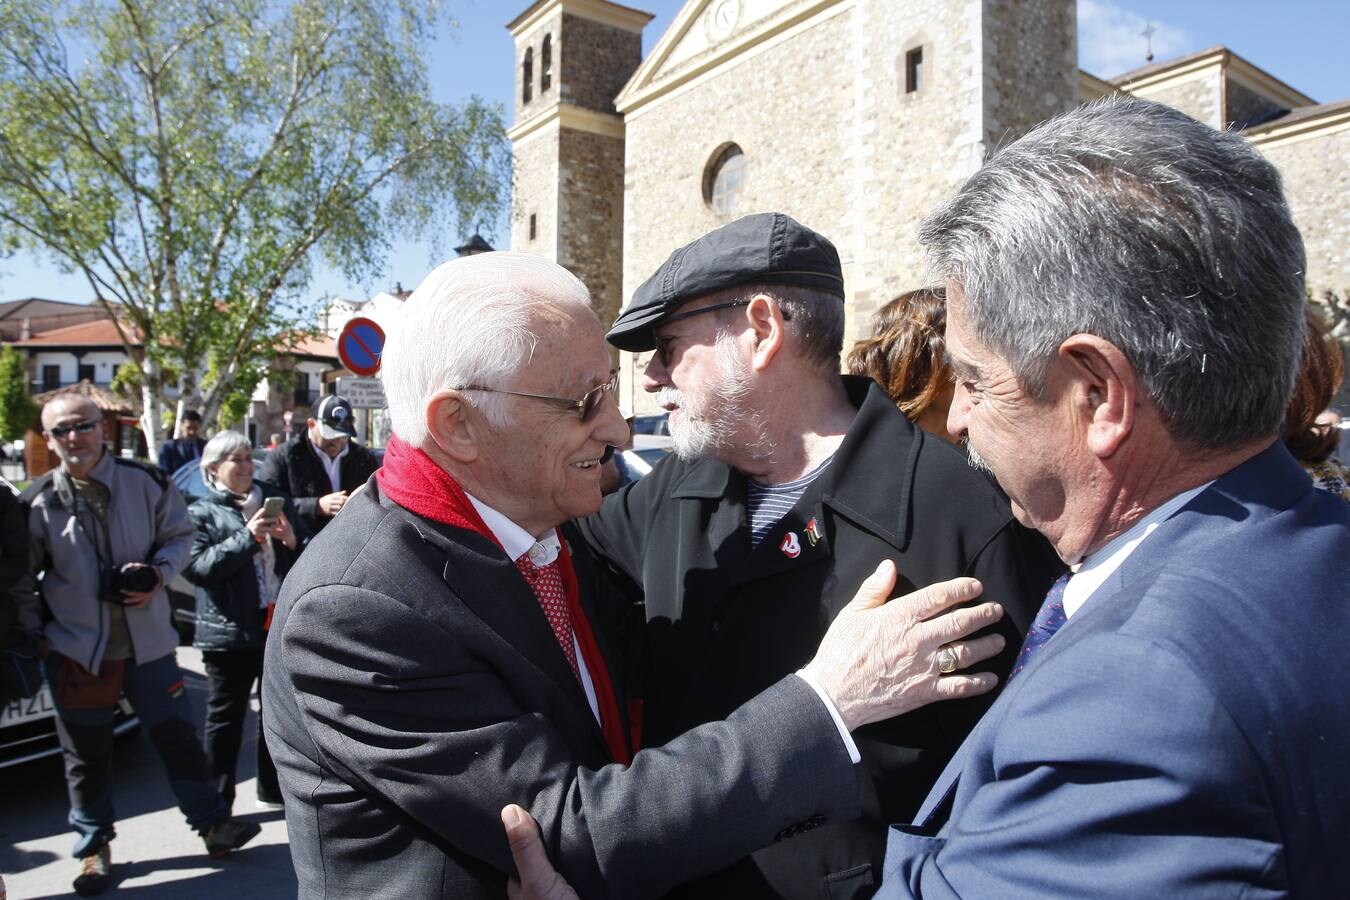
{"x": 1301, "y": 42}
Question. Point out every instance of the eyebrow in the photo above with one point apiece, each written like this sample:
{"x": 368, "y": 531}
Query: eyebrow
{"x": 961, "y": 367}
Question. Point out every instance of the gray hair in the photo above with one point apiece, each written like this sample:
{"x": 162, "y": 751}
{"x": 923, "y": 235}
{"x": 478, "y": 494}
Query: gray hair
{"x": 468, "y": 322}
{"x": 1131, "y": 221}
{"x": 813, "y": 319}
{"x": 221, "y": 447}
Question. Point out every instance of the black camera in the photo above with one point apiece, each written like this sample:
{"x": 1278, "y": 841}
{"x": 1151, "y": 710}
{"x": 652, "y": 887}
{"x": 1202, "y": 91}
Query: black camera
{"x": 117, "y": 579}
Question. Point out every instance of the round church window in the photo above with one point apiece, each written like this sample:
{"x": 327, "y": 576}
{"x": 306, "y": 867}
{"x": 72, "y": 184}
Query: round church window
{"x": 725, "y": 179}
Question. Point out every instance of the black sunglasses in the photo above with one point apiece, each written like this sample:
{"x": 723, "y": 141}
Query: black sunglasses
{"x": 60, "y": 431}
{"x": 663, "y": 343}
{"x": 586, "y": 406}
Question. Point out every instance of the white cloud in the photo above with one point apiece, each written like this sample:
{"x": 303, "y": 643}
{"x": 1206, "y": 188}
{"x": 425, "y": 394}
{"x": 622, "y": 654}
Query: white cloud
{"x": 1111, "y": 40}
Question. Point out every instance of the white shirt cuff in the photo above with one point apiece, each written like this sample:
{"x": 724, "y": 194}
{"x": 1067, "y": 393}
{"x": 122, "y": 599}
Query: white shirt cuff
{"x": 844, "y": 736}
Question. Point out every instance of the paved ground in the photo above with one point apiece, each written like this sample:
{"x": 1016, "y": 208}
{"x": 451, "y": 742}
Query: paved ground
{"x": 155, "y": 856}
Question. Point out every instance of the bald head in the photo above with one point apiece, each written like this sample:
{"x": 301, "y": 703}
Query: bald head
{"x": 66, "y": 405}
{"x": 73, "y": 427}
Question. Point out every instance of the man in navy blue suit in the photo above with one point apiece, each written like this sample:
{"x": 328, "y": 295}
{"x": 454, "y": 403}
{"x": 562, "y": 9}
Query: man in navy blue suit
{"x": 1125, "y": 315}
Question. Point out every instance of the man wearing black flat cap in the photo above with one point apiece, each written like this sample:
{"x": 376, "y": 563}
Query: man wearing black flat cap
{"x": 789, "y": 484}
{"x": 321, "y": 467}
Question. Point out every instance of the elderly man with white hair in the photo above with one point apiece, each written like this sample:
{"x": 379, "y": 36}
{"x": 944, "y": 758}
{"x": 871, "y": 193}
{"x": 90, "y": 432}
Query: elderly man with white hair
{"x": 436, "y": 654}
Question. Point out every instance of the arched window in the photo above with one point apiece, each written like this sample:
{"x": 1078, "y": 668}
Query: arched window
{"x": 724, "y": 180}
{"x": 546, "y": 64}
{"x": 527, "y": 76}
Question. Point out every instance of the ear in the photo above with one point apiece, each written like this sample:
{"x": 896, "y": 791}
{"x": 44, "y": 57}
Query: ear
{"x": 452, "y": 425}
{"x": 1103, "y": 391}
{"x": 765, "y": 319}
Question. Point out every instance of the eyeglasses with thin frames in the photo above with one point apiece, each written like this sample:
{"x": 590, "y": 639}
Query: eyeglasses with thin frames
{"x": 61, "y": 431}
{"x": 586, "y": 406}
{"x": 663, "y": 343}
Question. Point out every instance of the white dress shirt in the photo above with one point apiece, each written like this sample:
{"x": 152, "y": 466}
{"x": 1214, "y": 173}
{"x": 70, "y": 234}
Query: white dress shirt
{"x": 517, "y": 542}
{"x": 332, "y": 465}
{"x": 1098, "y": 566}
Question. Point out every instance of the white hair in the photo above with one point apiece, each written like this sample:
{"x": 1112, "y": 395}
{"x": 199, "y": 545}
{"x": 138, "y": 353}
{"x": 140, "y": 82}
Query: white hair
{"x": 468, "y": 322}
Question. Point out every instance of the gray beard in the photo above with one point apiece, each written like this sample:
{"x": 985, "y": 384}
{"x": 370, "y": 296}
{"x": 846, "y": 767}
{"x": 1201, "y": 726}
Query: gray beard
{"x": 976, "y": 461}
{"x": 726, "y": 420}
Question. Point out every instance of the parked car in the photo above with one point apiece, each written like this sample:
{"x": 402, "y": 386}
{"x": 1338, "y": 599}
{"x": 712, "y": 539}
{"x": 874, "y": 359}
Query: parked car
{"x": 647, "y": 451}
{"x": 651, "y": 424}
{"x": 28, "y": 728}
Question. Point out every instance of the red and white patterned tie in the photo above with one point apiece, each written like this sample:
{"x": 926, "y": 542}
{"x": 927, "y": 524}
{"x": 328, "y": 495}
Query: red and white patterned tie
{"x": 548, "y": 588}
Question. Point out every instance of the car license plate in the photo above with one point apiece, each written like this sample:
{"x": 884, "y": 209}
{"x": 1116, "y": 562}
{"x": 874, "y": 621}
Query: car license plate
{"x": 39, "y": 706}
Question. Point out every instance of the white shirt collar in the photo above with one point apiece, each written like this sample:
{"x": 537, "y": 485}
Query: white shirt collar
{"x": 516, "y": 541}
{"x": 1097, "y": 567}
{"x": 332, "y": 465}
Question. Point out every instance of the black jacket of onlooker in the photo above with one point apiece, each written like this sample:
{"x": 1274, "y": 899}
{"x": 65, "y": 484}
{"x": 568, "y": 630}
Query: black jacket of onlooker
{"x": 294, "y": 468}
{"x": 228, "y": 613}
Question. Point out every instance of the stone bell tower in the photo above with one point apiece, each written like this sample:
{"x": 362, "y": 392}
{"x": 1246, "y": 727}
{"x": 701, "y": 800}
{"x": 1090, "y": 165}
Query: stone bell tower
{"x": 572, "y": 58}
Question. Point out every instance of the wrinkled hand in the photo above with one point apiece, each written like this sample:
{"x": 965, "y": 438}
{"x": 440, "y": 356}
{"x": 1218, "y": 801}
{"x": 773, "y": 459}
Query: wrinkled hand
{"x": 879, "y": 659}
{"x": 330, "y": 504}
{"x": 538, "y": 879}
{"x": 135, "y": 598}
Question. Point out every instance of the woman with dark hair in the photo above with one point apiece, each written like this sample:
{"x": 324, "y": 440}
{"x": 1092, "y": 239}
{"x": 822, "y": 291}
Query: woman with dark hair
{"x": 1308, "y": 435}
{"x": 248, "y": 536}
{"x": 905, "y": 356}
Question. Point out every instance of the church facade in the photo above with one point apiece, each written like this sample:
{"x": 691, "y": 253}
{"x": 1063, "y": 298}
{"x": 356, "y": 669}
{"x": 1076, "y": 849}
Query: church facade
{"x": 854, "y": 116}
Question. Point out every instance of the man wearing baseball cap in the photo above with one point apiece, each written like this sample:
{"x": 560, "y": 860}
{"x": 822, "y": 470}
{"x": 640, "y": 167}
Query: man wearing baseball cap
{"x": 789, "y": 484}
{"x": 321, "y": 467}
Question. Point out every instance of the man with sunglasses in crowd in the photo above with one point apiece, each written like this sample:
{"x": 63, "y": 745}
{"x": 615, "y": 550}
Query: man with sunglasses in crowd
{"x": 436, "y": 652}
{"x": 107, "y": 535}
{"x": 321, "y": 467}
{"x": 790, "y": 483}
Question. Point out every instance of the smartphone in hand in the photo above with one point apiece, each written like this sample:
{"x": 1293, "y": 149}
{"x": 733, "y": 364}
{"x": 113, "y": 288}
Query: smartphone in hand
{"x": 272, "y": 507}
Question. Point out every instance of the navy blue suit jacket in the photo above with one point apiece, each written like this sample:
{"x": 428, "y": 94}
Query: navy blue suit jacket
{"x": 1186, "y": 735}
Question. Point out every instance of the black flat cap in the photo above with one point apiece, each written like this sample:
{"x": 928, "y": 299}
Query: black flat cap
{"x": 767, "y": 248}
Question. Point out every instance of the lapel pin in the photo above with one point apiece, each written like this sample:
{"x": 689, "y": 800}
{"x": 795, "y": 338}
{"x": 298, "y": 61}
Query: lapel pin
{"x": 813, "y": 532}
{"x": 791, "y": 547}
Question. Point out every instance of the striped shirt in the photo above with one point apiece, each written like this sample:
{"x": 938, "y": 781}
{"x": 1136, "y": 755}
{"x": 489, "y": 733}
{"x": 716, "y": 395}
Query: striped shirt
{"x": 768, "y": 503}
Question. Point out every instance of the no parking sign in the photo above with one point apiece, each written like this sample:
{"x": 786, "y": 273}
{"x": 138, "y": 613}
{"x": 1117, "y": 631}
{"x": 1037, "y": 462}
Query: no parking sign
{"x": 360, "y": 345}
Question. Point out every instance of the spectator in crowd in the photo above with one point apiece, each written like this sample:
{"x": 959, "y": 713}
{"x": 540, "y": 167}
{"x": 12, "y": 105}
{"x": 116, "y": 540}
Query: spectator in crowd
{"x": 107, "y": 535}
{"x": 904, "y": 354}
{"x": 1309, "y": 433}
{"x": 1125, "y": 320}
{"x": 274, "y": 441}
{"x": 248, "y": 536}
{"x": 321, "y": 467}
{"x": 792, "y": 483}
{"x": 20, "y": 619}
{"x": 183, "y": 449}
{"x": 435, "y": 652}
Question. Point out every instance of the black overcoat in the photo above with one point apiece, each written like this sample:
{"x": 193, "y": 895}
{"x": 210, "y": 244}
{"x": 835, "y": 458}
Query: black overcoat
{"x": 723, "y": 621}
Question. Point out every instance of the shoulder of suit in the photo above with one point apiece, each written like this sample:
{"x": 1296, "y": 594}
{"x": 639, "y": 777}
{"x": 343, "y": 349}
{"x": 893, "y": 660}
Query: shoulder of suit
{"x": 135, "y": 465}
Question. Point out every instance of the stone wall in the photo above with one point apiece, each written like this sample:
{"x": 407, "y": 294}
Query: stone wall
{"x": 1196, "y": 96}
{"x": 597, "y": 60}
{"x": 1031, "y": 65}
{"x": 1317, "y": 186}
{"x": 590, "y": 203}
{"x": 534, "y": 40}
{"x": 534, "y": 191}
{"x": 1246, "y": 106}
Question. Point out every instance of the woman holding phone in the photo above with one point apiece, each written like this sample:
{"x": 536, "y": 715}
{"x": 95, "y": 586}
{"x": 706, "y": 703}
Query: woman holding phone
{"x": 248, "y": 535}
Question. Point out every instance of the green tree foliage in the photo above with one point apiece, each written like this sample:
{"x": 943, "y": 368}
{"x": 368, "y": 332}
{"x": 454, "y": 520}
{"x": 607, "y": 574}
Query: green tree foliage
{"x": 194, "y": 158}
{"x": 18, "y": 412}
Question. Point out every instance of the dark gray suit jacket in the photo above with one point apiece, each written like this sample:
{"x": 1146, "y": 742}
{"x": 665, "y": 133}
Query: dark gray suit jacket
{"x": 414, "y": 688}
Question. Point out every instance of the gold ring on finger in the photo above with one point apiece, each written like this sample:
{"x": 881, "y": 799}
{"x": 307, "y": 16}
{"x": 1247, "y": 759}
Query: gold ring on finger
{"x": 947, "y": 661}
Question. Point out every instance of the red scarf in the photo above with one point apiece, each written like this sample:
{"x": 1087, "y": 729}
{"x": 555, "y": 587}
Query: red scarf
{"x": 414, "y": 482}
